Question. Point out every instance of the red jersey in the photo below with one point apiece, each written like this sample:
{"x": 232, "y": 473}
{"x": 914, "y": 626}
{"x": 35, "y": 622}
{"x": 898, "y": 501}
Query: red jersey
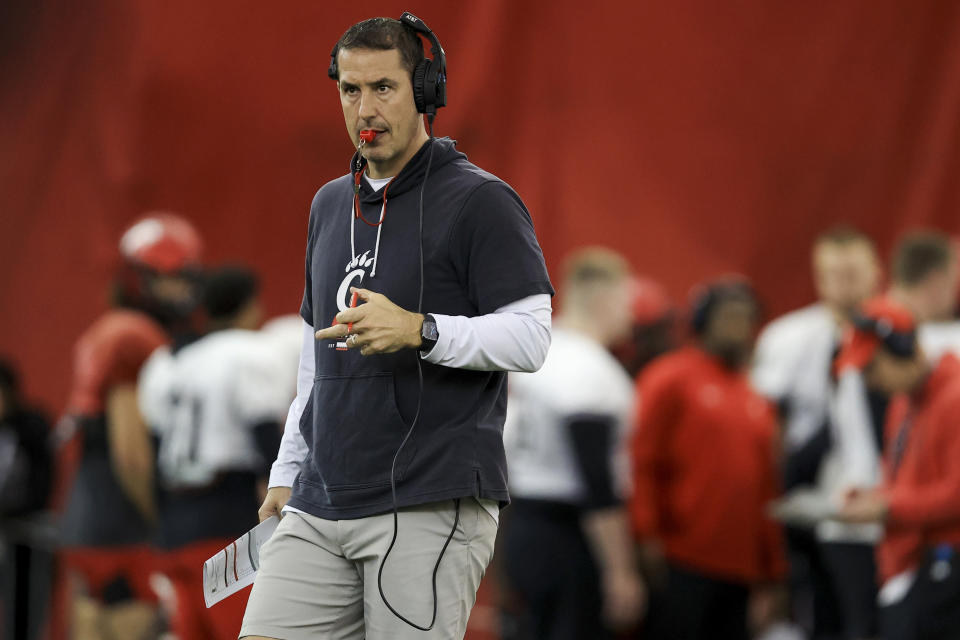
{"x": 111, "y": 352}
{"x": 704, "y": 462}
{"x": 922, "y": 469}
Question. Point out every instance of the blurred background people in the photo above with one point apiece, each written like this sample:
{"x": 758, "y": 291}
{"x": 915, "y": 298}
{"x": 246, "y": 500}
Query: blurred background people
{"x": 919, "y": 502}
{"x": 653, "y": 331}
{"x": 26, "y": 464}
{"x": 924, "y": 278}
{"x": 26, "y": 473}
{"x": 110, "y": 513}
{"x": 216, "y": 408}
{"x": 792, "y": 367}
{"x": 568, "y": 552}
{"x": 705, "y": 468}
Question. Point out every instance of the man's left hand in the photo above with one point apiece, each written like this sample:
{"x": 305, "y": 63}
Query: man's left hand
{"x": 864, "y": 506}
{"x": 377, "y": 326}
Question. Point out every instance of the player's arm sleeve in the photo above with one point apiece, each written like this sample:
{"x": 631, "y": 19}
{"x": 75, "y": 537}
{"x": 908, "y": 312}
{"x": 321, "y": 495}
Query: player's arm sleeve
{"x": 266, "y": 439}
{"x": 937, "y": 503}
{"x": 293, "y": 448}
{"x": 516, "y": 337}
{"x": 592, "y": 436}
{"x": 657, "y": 408}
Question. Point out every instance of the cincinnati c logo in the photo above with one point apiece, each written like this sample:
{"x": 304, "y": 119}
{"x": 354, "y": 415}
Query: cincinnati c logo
{"x": 356, "y": 270}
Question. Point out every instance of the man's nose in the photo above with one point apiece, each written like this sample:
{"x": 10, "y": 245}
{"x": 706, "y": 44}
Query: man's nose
{"x": 367, "y": 106}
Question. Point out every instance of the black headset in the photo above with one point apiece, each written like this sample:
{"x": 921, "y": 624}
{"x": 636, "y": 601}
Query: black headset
{"x": 429, "y": 76}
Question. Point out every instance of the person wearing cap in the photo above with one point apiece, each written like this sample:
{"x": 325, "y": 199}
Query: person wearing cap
{"x": 704, "y": 465}
{"x": 918, "y": 502}
{"x": 792, "y": 367}
{"x": 110, "y": 513}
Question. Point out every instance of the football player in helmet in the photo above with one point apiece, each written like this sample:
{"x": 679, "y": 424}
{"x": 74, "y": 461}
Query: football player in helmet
{"x": 110, "y": 510}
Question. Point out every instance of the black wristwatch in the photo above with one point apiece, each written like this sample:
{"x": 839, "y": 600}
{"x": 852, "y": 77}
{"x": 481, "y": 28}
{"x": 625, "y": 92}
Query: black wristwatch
{"x": 428, "y": 334}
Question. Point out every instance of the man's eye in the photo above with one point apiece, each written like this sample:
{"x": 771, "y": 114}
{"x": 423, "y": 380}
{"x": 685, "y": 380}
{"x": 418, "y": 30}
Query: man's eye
{"x": 350, "y": 91}
{"x": 383, "y": 88}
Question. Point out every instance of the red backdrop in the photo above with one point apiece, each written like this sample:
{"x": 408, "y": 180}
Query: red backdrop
{"x": 696, "y": 137}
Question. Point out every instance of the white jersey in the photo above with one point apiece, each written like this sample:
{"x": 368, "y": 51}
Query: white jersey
{"x": 285, "y": 336}
{"x": 579, "y": 377}
{"x": 792, "y": 365}
{"x": 204, "y": 401}
{"x": 939, "y": 338}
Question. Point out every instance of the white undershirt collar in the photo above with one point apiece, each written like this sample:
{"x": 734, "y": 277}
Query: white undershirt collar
{"x": 376, "y": 183}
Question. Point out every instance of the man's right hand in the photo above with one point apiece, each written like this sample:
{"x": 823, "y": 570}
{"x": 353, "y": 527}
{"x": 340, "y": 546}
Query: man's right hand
{"x": 274, "y": 502}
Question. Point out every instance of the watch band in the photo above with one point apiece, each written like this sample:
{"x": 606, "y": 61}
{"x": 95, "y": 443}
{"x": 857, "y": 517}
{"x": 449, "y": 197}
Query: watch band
{"x": 428, "y": 334}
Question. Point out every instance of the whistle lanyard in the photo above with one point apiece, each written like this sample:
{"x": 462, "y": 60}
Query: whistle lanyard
{"x": 356, "y": 213}
{"x": 900, "y": 443}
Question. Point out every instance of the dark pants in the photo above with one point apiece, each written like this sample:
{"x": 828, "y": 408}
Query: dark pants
{"x": 853, "y": 569}
{"x": 549, "y": 565}
{"x": 815, "y": 606}
{"x": 693, "y": 606}
{"x": 931, "y": 609}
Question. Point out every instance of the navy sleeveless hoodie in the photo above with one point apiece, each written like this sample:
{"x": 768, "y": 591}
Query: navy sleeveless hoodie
{"x": 480, "y": 253}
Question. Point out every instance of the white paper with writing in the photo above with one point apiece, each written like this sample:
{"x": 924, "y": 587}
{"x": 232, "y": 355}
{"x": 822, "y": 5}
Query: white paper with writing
{"x": 235, "y": 566}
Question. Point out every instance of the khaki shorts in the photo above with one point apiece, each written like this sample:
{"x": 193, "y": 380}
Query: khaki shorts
{"x": 318, "y": 578}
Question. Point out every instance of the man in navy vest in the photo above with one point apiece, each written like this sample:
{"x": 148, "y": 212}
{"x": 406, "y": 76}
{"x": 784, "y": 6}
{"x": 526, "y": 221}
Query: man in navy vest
{"x": 425, "y": 283}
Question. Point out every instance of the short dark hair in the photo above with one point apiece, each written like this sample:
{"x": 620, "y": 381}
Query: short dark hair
{"x": 227, "y": 290}
{"x": 707, "y": 297}
{"x": 843, "y": 234}
{"x": 9, "y": 385}
{"x": 919, "y": 254}
{"x": 384, "y": 34}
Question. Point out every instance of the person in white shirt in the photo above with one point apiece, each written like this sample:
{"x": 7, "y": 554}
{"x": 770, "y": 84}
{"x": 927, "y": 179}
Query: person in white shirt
{"x": 793, "y": 368}
{"x": 215, "y": 407}
{"x": 568, "y": 549}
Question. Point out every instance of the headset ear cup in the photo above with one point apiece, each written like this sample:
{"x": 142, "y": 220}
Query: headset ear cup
{"x": 333, "y": 72}
{"x": 420, "y": 93}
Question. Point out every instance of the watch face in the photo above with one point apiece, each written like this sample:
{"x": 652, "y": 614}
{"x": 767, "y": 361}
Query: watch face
{"x": 429, "y": 331}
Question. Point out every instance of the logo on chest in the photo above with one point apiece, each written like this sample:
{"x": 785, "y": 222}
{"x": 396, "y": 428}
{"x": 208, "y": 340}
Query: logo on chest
{"x": 356, "y": 271}
{"x": 710, "y": 396}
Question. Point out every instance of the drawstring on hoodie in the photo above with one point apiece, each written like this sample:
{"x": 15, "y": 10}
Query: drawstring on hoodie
{"x": 356, "y": 213}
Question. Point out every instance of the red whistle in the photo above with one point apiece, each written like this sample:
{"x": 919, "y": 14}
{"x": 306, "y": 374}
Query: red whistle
{"x": 353, "y": 303}
{"x": 367, "y": 135}
{"x": 342, "y": 346}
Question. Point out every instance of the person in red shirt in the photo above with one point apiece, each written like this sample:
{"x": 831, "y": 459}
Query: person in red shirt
{"x": 704, "y": 472}
{"x": 110, "y": 511}
{"x": 919, "y": 500}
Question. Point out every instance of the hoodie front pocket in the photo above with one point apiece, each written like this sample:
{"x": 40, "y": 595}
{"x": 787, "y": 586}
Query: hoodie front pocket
{"x": 357, "y": 430}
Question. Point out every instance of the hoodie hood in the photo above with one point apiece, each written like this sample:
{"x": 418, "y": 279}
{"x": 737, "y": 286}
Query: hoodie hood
{"x": 411, "y": 176}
